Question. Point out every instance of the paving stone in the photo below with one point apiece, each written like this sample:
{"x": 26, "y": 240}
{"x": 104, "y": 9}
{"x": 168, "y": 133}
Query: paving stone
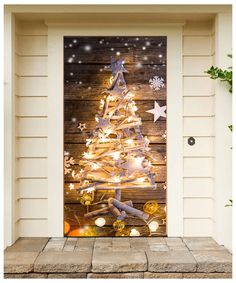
{"x": 201, "y": 244}
{"x": 130, "y": 275}
{"x": 28, "y": 245}
{"x": 70, "y": 245}
{"x": 103, "y": 243}
{"x": 25, "y": 275}
{"x": 173, "y": 242}
{"x": 159, "y": 248}
{"x": 213, "y": 261}
{"x": 67, "y": 275}
{"x": 121, "y": 242}
{"x": 19, "y": 262}
{"x": 156, "y": 240}
{"x": 55, "y": 244}
{"x": 89, "y": 242}
{"x": 120, "y": 261}
{"x": 162, "y": 275}
{"x": 215, "y": 275}
{"x": 63, "y": 262}
{"x": 171, "y": 261}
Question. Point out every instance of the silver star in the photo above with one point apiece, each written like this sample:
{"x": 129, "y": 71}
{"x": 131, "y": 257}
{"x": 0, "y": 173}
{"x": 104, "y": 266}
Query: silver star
{"x": 133, "y": 164}
{"x": 82, "y": 127}
{"x": 158, "y": 111}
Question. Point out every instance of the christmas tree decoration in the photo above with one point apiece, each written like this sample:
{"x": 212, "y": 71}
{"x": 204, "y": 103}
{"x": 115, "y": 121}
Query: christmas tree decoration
{"x": 86, "y": 199}
{"x": 119, "y": 225}
{"x": 157, "y": 111}
{"x": 81, "y": 127}
{"x": 156, "y": 83}
{"x": 66, "y": 227}
{"x": 151, "y": 207}
{"x": 118, "y": 160}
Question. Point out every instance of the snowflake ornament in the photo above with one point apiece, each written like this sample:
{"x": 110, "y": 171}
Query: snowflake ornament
{"x": 156, "y": 83}
{"x": 67, "y": 164}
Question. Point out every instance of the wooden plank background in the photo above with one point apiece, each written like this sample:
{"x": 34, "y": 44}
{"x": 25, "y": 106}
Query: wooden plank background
{"x": 85, "y": 76}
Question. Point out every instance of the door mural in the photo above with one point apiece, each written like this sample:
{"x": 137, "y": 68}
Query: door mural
{"x": 115, "y": 136}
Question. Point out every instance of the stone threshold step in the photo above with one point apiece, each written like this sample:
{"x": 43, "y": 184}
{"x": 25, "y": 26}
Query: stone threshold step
{"x": 117, "y": 255}
{"x": 133, "y": 275}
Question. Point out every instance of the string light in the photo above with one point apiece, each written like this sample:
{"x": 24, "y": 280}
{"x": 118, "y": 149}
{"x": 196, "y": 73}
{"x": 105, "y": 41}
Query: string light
{"x": 95, "y": 166}
{"x": 87, "y": 155}
{"x": 134, "y": 233}
{"x": 116, "y": 155}
{"x": 129, "y": 141}
{"x": 100, "y": 221}
{"x": 153, "y": 226}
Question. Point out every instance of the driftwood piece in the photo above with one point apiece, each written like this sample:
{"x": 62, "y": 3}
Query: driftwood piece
{"x": 129, "y": 209}
{"x": 105, "y": 210}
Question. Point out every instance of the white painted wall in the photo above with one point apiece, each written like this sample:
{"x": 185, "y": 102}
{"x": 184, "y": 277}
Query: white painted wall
{"x": 201, "y": 99}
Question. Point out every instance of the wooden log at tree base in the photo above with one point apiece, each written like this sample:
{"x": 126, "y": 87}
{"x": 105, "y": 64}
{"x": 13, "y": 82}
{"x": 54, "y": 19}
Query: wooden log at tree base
{"x": 128, "y": 209}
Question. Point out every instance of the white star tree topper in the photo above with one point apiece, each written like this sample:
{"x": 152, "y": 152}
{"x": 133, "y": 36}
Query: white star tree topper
{"x": 158, "y": 111}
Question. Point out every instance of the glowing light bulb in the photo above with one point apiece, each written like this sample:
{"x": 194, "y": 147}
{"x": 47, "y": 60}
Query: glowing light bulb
{"x": 129, "y": 141}
{"x": 134, "y": 233}
{"x": 102, "y": 102}
{"x": 129, "y": 119}
{"x": 116, "y": 179}
{"x": 165, "y": 208}
{"x": 141, "y": 179}
{"x": 135, "y": 108}
{"x": 100, "y": 222}
{"x": 95, "y": 166}
{"x": 116, "y": 155}
{"x": 153, "y": 226}
{"x": 87, "y": 155}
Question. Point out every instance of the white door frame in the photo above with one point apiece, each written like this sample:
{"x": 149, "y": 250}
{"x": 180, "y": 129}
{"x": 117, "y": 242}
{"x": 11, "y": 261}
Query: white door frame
{"x": 56, "y": 32}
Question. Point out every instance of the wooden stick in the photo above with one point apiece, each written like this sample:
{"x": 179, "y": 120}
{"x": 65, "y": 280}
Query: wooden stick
{"x": 105, "y": 210}
{"x": 142, "y": 215}
{"x": 114, "y": 210}
{"x": 118, "y": 194}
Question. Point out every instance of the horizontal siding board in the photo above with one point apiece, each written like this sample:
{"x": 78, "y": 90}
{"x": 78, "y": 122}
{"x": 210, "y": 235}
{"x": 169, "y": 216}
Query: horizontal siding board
{"x": 204, "y": 146}
{"x": 198, "y": 126}
{"x": 32, "y": 188}
{"x": 31, "y": 86}
{"x": 32, "y": 127}
{"x": 33, "y": 228}
{"x": 198, "y": 208}
{"x": 197, "y": 45}
{"x": 32, "y": 168}
{"x": 198, "y": 167}
{"x": 198, "y": 106}
{"x": 32, "y": 106}
{"x": 197, "y": 86}
{"x": 198, "y": 227}
{"x": 198, "y": 187}
{"x": 32, "y": 45}
{"x": 32, "y": 66}
{"x": 196, "y": 66}
{"x": 198, "y": 28}
{"x": 33, "y": 208}
{"x": 31, "y": 28}
{"x": 32, "y": 147}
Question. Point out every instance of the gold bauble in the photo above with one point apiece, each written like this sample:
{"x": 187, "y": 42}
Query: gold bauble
{"x": 86, "y": 199}
{"x": 151, "y": 207}
{"x": 119, "y": 225}
{"x": 123, "y": 233}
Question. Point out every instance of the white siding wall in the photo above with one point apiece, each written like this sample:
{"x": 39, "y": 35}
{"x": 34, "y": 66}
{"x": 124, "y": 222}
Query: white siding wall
{"x": 198, "y": 121}
{"x": 32, "y": 129}
{"x": 31, "y": 116}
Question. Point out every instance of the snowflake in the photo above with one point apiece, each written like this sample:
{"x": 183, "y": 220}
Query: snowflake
{"x": 156, "y": 83}
{"x": 67, "y": 164}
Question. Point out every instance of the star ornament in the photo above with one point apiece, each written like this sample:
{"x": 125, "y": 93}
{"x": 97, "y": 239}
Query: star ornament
{"x": 81, "y": 127}
{"x": 133, "y": 164}
{"x": 158, "y": 111}
{"x": 117, "y": 66}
